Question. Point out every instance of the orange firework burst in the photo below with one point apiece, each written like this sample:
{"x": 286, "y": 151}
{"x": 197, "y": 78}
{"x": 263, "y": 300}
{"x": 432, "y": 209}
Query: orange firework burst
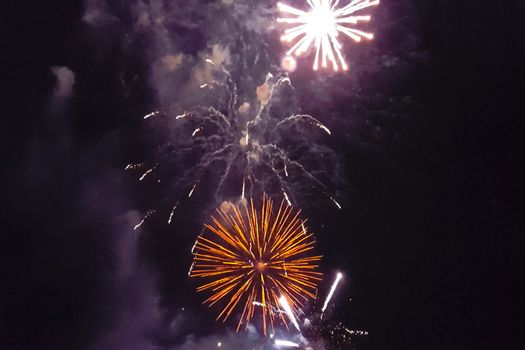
{"x": 253, "y": 258}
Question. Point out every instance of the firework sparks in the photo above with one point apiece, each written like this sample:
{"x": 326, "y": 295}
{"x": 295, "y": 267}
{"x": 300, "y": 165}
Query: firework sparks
{"x": 332, "y": 290}
{"x": 244, "y": 255}
{"x": 236, "y": 145}
{"x": 320, "y": 27}
{"x": 354, "y": 332}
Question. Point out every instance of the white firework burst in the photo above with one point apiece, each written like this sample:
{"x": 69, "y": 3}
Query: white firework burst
{"x": 320, "y": 26}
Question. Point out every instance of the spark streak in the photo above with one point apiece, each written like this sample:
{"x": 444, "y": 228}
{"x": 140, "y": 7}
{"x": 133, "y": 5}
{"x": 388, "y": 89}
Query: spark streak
{"x": 173, "y": 212}
{"x": 147, "y": 215}
{"x": 285, "y": 343}
{"x": 336, "y": 202}
{"x": 287, "y": 199}
{"x": 192, "y": 190}
{"x": 149, "y": 171}
{"x": 196, "y": 131}
{"x": 332, "y": 290}
{"x": 152, "y": 114}
{"x": 355, "y": 332}
{"x": 286, "y": 306}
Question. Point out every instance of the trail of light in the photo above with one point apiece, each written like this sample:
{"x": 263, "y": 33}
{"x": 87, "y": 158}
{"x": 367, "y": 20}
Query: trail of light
{"x": 287, "y": 199}
{"x": 285, "y": 343}
{"x": 152, "y": 114}
{"x": 149, "y": 171}
{"x": 147, "y": 215}
{"x": 286, "y": 306}
{"x": 191, "y": 269}
{"x": 196, "y": 131}
{"x": 134, "y": 166}
{"x": 192, "y": 189}
{"x": 305, "y": 118}
{"x": 173, "y": 212}
{"x": 139, "y": 224}
{"x": 355, "y": 332}
{"x": 332, "y": 290}
{"x": 324, "y": 128}
{"x": 336, "y": 202}
{"x": 194, "y": 245}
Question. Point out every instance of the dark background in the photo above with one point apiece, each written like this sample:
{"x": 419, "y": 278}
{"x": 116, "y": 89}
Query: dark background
{"x": 431, "y": 236}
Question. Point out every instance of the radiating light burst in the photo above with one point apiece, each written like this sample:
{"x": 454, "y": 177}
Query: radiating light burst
{"x": 319, "y": 27}
{"x": 254, "y": 259}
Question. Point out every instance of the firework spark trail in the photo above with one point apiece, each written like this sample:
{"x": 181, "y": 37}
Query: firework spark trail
{"x": 285, "y": 158}
{"x": 285, "y": 343}
{"x": 273, "y": 308}
{"x": 147, "y": 215}
{"x": 336, "y": 202}
{"x": 242, "y": 255}
{"x": 152, "y": 114}
{"x": 354, "y": 332}
{"x": 172, "y": 213}
{"x": 224, "y": 141}
{"x": 320, "y": 26}
{"x": 307, "y": 118}
{"x": 149, "y": 171}
{"x": 332, "y": 290}
{"x": 286, "y": 306}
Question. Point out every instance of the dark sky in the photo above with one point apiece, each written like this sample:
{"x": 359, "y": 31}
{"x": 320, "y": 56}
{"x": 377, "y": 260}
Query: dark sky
{"x": 431, "y": 232}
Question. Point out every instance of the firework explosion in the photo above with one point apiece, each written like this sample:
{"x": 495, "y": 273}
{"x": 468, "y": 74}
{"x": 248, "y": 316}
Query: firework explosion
{"x": 257, "y": 259}
{"x": 242, "y": 143}
{"x": 321, "y": 25}
{"x": 233, "y": 134}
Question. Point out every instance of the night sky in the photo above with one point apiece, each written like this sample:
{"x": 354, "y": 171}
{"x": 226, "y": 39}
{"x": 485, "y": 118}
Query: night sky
{"x": 427, "y": 134}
